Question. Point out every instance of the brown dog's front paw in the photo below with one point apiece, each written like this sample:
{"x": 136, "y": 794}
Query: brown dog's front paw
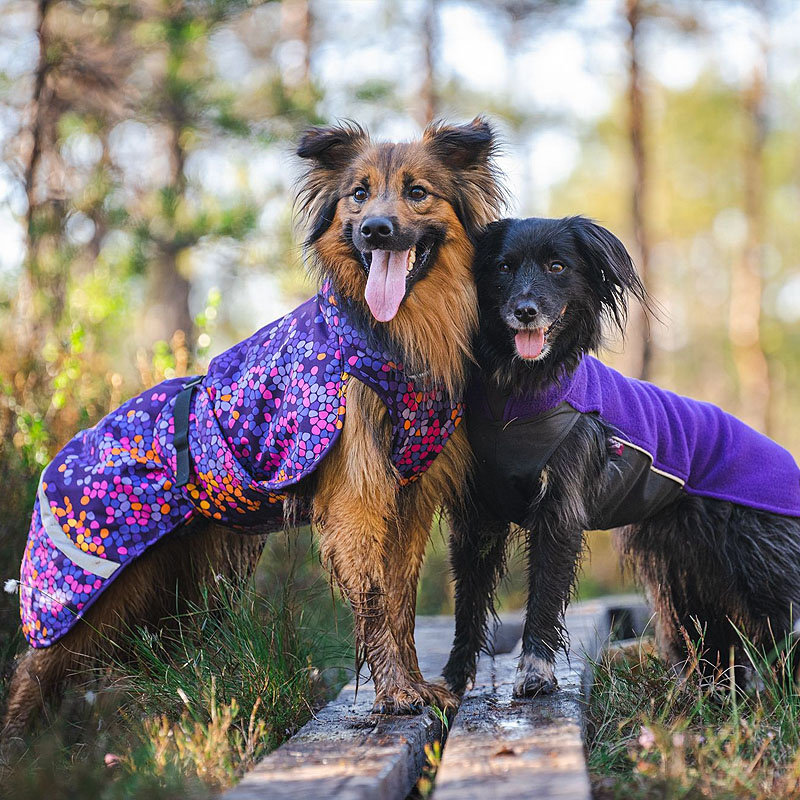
{"x": 398, "y": 701}
{"x": 437, "y": 694}
{"x": 534, "y": 676}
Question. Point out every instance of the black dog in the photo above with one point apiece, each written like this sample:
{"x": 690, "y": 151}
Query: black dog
{"x": 563, "y": 444}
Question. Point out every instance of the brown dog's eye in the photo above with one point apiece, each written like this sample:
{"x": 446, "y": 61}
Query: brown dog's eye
{"x": 556, "y": 267}
{"x": 360, "y": 194}
{"x": 417, "y": 193}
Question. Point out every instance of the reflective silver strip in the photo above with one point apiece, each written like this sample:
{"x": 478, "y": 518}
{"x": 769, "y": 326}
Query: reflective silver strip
{"x": 658, "y": 471}
{"x": 103, "y": 567}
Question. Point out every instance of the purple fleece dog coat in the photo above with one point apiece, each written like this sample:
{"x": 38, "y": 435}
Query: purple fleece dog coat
{"x": 696, "y": 446}
{"x": 263, "y": 418}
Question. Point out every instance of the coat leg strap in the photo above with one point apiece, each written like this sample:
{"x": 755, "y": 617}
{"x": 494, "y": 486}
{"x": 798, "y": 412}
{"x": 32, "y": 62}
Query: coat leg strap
{"x": 183, "y": 406}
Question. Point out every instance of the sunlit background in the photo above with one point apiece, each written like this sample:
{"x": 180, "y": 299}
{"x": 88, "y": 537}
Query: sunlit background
{"x": 146, "y": 183}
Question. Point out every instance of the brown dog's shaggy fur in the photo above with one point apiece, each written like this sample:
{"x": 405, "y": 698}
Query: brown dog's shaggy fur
{"x": 372, "y": 531}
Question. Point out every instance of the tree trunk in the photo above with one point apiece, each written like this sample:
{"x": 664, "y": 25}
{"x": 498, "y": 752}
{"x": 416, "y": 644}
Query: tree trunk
{"x": 636, "y": 132}
{"x": 306, "y": 37}
{"x": 429, "y": 101}
{"x": 744, "y": 321}
{"x": 29, "y": 316}
{"x": 297, "y": 22}
{"x": 167, "y": 311}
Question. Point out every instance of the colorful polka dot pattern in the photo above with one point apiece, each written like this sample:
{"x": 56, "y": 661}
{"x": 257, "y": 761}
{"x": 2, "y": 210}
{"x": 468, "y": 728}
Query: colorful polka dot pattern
{"x": 263, "y": 417}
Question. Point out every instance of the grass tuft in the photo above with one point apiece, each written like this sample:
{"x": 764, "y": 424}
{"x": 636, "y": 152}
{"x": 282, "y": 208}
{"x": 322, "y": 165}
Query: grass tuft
{"x": 654, "y": 734}
{"x": 235, "y": 649}
{"x": 193, "y": 709}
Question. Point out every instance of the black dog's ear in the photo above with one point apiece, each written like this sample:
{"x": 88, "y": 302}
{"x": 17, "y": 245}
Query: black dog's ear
{"x": 461, "y": 146}
{"x": 611, "y": 270}
{"x": 333, "y": 147}
{"x": 489, "y": 244}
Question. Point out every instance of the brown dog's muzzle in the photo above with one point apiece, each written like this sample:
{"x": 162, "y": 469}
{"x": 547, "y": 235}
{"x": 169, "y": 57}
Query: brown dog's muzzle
{"x": 389, "y": 255}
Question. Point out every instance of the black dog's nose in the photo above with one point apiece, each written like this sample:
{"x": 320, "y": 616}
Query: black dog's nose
{"x": 526, "y": 311}
{"x": 377, "y": 230}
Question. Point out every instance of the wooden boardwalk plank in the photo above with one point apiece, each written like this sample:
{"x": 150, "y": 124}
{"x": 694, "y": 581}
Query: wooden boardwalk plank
{"x": 500, "y": 747}
{"x": 345, "y": 752}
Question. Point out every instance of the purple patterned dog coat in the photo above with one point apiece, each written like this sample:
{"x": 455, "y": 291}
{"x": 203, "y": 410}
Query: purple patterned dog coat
{"x": 263, "y": 418}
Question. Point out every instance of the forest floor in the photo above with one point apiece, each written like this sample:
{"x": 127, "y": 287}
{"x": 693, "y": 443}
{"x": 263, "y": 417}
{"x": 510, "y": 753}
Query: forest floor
{"x": 197, "y": 707}
{"x": 653, "y": 735}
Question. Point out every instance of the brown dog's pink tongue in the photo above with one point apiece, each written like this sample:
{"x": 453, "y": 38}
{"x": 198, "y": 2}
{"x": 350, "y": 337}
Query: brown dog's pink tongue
{"x": 530, "y": 343}
{"x": 386, "y": 283}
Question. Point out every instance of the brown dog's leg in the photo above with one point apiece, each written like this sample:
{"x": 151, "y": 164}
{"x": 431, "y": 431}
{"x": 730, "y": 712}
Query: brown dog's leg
{"x": 410, "y": 536}
{"x": 35, "y": 675}
{"x": 402, "y": 576}
{"x": 355, "y": 514}
{"x": 418, "y": 503}
{"x": 144, "y": 594}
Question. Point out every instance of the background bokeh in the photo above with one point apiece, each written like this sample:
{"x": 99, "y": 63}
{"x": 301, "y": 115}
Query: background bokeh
{"x": 146, "y": 189}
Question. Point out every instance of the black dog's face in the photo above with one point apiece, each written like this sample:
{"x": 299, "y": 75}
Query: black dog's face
{"x": 535, "y": 279}
{"x": 544, "y": 286}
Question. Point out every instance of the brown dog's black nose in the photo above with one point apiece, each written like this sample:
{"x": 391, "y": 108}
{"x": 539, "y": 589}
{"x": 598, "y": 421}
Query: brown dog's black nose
{"x": 377, "y": 230}
{"x": 526, "y": 312}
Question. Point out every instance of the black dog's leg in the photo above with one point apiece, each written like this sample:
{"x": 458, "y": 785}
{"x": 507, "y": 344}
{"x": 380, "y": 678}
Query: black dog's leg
{"x": 569, "y": 485}
{"x": 477, "y": 558}
{"x": 722, "y": 569}
{"x": 553, "y": 554}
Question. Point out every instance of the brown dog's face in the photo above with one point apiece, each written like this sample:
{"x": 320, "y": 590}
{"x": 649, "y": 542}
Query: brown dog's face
{"x": 395, "y": 214}
{"x": 381, "y": 214}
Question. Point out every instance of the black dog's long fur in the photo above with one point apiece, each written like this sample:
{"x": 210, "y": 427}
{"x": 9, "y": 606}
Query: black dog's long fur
{"x": 703, "y": 561}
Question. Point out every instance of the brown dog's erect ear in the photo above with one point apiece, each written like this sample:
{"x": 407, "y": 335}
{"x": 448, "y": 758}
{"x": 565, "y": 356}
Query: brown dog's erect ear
{"x": 334, "y": 147}
{"x": 462, "y": 146}
{"x": 468, "y": 152}
{"x": 328, "y": 150}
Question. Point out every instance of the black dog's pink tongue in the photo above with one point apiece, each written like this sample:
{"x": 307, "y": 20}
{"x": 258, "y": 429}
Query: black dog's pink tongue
{"x": 530, "y": 343}
{"x": 386, "y": 283}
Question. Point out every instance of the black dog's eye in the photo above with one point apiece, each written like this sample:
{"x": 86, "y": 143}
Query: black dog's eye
{"x": 360, "y": 194}
{"x": 417, "y": 193}
{"x": 556, "y": 267}
{"x": 504, "y": 267}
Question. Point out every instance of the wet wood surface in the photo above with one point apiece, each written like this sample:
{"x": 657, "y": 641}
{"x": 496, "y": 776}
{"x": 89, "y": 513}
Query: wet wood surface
{"x": 502, "y": 747}
{"x": 498, "y": 747}
{"x": 345, "y": 752}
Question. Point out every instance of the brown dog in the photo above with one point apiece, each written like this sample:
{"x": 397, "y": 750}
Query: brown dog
{"x": 369, "y": 206}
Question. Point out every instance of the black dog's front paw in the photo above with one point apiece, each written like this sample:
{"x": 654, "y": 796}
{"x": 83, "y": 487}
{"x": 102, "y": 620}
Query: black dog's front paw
{"x": 458, "y": 677}
{"x": 534, "y": 676}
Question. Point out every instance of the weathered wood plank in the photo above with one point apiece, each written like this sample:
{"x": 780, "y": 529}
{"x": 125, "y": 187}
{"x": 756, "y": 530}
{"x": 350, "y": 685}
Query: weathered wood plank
{"x": 500, "y": 747}
{"x": 349, "y": 754}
